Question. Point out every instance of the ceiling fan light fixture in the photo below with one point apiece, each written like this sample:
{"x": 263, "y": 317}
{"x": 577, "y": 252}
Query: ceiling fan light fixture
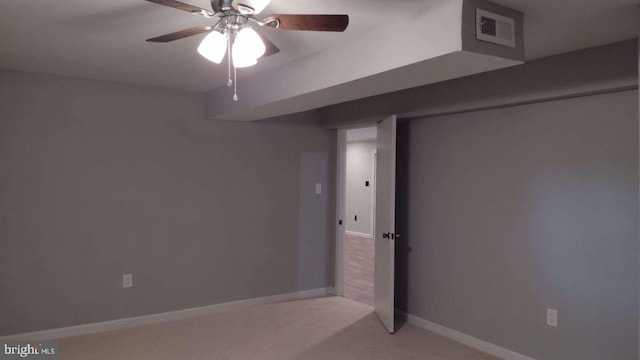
{"x": 250, "y": 43}
{"x": 247, "y": 48}
{"x": 233, "y": 34}
{"x": 240, "y": 60}
{"x": 213, "y": 47}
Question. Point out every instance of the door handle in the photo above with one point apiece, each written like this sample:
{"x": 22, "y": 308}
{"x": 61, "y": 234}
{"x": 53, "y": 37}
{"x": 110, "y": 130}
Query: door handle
{"x": 391, "y": 236}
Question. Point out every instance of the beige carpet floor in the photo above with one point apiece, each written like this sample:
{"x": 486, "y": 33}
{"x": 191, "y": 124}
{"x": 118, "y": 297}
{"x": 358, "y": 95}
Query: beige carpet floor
{"x": 323, "y": 329}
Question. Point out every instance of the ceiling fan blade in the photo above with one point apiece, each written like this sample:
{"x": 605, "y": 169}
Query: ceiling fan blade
{"x": 271, "y": 47}
{"x": 308, "y": 22}
{"x": 180, "y": 34}
{"x": 185, "y": 7}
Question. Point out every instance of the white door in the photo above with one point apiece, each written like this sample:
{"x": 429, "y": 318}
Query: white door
{"x": 385, "y": 232}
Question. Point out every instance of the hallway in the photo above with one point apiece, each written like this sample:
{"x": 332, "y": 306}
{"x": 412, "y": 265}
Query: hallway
{"x": 359, "y": 268}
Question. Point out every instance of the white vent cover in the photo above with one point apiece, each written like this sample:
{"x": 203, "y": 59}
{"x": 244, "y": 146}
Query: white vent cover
{"x": 495, "y": 28}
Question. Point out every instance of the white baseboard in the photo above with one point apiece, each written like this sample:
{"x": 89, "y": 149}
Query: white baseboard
{"x": 167, "y": 316}
{"x": 355, "y": 233}
{"x": 465, "y": 339}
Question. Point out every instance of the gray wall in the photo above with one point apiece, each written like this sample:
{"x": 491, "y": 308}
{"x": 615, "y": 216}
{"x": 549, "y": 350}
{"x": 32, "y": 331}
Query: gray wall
{"x": 512, "y": 211}
{"x": 604, "y": 68}
{"x": 99, "y": 179}
{"x": 518, "y": 191}
{"x": 358, "y": 199}
{"x": 315, "y": 250}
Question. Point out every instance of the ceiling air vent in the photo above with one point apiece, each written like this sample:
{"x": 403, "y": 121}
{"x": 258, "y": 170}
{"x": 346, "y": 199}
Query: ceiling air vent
{"x": 495, "y": 28}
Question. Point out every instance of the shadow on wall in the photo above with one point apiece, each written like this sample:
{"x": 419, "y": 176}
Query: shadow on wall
{"x": 403, "y": 247}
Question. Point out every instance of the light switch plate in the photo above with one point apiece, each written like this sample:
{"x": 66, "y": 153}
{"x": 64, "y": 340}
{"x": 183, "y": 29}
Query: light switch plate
{"x": 552, "y": 317}
{"x": 127, "y": 280}
{"x": 318, "y": 188}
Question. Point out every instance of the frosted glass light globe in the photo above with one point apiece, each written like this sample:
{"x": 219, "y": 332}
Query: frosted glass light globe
{"x": 213, "y": 47}
{"x": 247, "y": 48}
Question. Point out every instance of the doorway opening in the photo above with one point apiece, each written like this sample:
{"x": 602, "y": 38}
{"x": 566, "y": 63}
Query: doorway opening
{"x": 359, "y": 225}
{"x": 381, "y": 186}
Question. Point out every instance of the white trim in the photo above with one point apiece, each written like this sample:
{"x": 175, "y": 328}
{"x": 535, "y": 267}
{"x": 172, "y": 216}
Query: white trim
{"x": 465, "y": 339}
{"x": 374, "y": 165}
{"x": 341, "y": 189}
{"x": 639, "y": 199}
{"x": 167, "y": 316}
{"x": 355, "y": 233}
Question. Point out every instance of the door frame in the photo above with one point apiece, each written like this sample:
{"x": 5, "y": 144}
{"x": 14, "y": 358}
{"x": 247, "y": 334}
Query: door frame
{"x": 340, "y": 223}
{"x": 341, "y": 197}
{"x": 374, "y": 164}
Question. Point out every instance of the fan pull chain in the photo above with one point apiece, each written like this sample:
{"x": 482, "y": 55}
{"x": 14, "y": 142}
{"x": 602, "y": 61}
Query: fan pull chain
{"x": 229, "y": 82}
{"x": 235, "y": 84}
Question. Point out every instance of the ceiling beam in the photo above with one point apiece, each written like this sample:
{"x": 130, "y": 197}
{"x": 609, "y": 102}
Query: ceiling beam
{"x": 428, "y": 47}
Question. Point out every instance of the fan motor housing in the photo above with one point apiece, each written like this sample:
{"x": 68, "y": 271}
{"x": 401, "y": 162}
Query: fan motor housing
{"x": 221, "y": 5}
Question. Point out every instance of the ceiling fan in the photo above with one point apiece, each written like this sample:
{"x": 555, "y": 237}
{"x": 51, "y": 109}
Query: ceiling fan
{"x": 233, "y": 33}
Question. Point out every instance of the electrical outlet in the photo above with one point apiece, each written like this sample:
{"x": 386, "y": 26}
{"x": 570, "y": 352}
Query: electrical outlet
{"x": 318, "y": 188}
{"x": 127, "y": 280}
{"x": 552, "y": 317}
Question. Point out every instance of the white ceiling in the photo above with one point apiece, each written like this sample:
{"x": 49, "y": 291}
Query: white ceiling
{"x": 559, "y": 26}
{"x": 104, "y": 40}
